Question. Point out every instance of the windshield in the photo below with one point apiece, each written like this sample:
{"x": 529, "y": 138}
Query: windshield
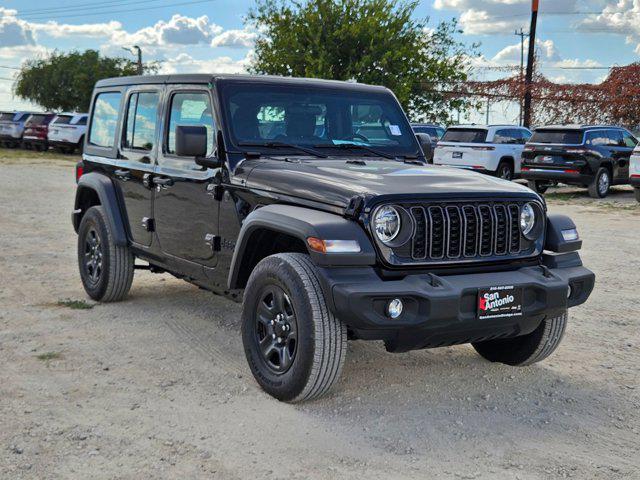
{"x": 465, "y": 135}
{"x": 562, "y": 137}
{"x": 37, "y": 119}
{"x": 316, "y": 117}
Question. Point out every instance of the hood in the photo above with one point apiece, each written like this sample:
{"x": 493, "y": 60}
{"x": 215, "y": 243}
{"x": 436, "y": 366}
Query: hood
{"x": 335, "y": 181}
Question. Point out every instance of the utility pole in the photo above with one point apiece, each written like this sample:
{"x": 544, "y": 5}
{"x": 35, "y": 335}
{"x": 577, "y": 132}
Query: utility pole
{"x": 139, "y": 50}
{"x": 488, "y": 110}
{"x": 522, "y": 36}
{"x": 530, "y": 59}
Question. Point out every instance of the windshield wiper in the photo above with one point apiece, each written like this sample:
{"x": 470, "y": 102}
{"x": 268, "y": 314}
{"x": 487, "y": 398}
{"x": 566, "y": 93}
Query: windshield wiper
{"x": 292, "y": 146}
{"x": 356, "y": 146}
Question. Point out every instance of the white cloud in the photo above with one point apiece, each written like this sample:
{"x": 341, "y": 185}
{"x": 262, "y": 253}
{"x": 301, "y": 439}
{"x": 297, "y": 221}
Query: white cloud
{"x": 620, "y": 17}
{"x": 89, "y": 30}
{"x": 235, "y": 39}
{"x": 184, "y": 63}
{"x": 13, "y": 31}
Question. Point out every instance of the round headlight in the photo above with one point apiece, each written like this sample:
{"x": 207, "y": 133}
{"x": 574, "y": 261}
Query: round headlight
{"x": 527, "y": 219}
{"x": 386, "y": 224}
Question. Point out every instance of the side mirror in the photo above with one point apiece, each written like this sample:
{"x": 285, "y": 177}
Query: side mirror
{"x": 425, "y": 143}
{"x": 191, "y": 141}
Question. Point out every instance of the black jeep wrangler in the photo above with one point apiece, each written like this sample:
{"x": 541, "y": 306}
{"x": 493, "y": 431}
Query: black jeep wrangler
{"x": 311, "y": 202}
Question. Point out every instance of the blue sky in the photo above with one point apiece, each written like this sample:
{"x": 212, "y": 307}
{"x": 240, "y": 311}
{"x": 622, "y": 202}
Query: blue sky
{"x": 209, "y": 36}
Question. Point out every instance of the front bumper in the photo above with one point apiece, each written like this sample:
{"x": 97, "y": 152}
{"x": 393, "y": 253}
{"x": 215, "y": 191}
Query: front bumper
{"x": 442, "y": 310}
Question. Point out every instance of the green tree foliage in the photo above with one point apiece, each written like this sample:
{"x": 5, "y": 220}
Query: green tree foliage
{"x": 370, "y": 41}
{"x": 64, "y": 81}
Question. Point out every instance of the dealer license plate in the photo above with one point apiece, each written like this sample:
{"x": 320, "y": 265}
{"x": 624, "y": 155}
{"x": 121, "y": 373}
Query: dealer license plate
{"x": 456, "y": 155}
{"x": 499, "y": 302}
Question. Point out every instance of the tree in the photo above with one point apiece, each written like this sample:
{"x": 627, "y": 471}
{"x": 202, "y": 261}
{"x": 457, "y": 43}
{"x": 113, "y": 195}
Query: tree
{"x": 64, "y": 81}
{"x": 370, "y": 41}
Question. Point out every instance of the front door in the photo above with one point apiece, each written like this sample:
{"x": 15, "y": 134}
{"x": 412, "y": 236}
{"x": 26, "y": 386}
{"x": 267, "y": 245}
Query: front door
{"x": 185, "y": 208}
{"x": 136, "y": 157}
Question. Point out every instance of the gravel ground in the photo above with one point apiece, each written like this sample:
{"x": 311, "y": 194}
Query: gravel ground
{"x": 157, "y": 386}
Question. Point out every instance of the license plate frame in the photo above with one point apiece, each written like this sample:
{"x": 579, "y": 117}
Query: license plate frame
{"x": 499, "y": 301}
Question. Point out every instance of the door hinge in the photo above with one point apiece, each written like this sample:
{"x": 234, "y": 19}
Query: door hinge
{"x": 148, "y": 224}
{"x": 216, "y": 191}
{"x": 214, "y": 241}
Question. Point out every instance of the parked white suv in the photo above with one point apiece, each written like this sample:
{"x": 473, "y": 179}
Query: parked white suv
{"x": 634, "y": 171}
{"x": 494, "y": 149}
{"x": 67, "y": 131}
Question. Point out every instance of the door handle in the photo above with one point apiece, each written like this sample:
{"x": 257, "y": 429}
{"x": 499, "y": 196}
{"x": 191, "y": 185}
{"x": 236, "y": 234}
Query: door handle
{"x": 123, "y": 175}
{"x": 163, "y": 181}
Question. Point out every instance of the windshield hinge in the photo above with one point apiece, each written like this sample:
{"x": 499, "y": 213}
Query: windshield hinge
{"x": 355, "y": 207}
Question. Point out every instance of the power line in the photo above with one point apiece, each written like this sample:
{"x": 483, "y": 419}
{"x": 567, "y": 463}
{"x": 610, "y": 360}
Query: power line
{"x": 9, "y": 68}
{"x": 93, "y": 5}
{"x": 109, "y": 12}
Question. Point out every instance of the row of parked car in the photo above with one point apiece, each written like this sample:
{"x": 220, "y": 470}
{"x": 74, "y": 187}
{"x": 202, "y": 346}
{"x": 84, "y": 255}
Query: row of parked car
{"x": 592, "y": 156}
{"x": 39, "y": 131}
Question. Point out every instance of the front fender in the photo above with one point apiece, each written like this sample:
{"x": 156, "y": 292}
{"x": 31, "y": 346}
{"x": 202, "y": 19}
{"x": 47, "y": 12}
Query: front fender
{"x": 302, "y": 223}
{"x": 106, "y": 192}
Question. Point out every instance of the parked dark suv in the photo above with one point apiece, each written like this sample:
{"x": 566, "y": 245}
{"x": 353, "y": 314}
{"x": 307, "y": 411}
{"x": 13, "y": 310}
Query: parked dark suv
{"x": 310, "y": 202}
{"x": 434, "y": 131}
{"x": 595, "y": 157}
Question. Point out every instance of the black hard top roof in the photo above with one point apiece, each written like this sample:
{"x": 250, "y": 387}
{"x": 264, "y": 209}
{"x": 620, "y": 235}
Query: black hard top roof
{"x": 204, "y": 78}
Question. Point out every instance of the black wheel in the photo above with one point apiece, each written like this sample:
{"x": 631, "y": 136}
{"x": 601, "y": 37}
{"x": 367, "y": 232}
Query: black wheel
{"x": 106, "y": 269}
{"x": 505, "y": 171}
{"x": 294, "y": 345}
{"x": 526, "y": 349}
{"x": 80, "y": 146}
{"x": 537, "y": 186}
{"x": 636, "y": 192}
{"x": 601, "y": 184}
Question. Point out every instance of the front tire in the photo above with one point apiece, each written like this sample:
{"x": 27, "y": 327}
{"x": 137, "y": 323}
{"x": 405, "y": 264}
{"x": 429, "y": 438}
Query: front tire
{"x": 526, "y": 349}
{"x": 106, "y": 269}
{"x": 294, "y": 345}
{"x": 601, "y": 184}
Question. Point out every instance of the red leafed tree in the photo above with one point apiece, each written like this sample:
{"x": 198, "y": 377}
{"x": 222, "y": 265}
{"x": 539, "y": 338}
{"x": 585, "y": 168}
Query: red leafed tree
{"x": 614, "y": 101}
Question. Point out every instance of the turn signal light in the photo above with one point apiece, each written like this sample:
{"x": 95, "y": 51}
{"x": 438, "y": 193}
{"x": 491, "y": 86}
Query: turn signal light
{"x": 333, "y": 246}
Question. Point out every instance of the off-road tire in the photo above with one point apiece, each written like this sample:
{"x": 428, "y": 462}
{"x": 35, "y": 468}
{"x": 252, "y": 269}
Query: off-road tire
{"x": 537, "y": 186}
{"x": 321, "y": 341}
{"x": 596, "y": 190}
{"x": 117, "y": 262}
{"x": 636, "y": 192}
{"x": 505, "y": 170}
{"x": 526, "y": 349}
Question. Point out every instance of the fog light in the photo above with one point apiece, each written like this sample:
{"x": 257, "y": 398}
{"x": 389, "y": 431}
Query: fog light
{"x": 394, "y": 308}
{"x": 569, "y": 291}
{"x": 570, "y": 235}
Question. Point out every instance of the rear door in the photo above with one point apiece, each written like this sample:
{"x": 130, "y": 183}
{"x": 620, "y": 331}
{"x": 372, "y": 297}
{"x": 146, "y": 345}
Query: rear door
{"x": 625, "y": 145}
{"x": 185, "y": 207}
{"x": 138, "y": 150}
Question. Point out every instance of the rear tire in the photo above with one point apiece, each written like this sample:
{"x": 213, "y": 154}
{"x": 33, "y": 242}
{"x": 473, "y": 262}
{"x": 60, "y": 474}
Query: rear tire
{"x": 601, "y": 184}
{"x": 106, "y": 269}
{"x": 537, "y": 186}
{"x": 526, "y": 349}
{"x": 505, "y": 171}
{"x": 294, "y": 345}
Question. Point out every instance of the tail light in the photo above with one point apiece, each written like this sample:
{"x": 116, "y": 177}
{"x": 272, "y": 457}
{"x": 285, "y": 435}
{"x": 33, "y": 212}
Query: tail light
{"x": 529, "y": 148}
{"x": 79, "y": 170}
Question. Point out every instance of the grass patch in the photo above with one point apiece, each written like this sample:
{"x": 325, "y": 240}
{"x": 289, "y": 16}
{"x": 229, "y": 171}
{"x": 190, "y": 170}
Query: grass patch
{"x": 8, "y": 154}
{"x": 75, "y": 304}
{"x": 48, "y": 356}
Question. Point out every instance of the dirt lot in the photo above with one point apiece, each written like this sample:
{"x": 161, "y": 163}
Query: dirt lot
{"x": 157, "y": 386}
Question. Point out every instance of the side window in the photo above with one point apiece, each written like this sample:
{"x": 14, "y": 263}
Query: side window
{"x": 190, "y": 108}
{"x": 503, "y": 136}
{"x": 105, "y": 119}
{"x": 629, "y": 140}
{"x": 597, "y": 138}
{"x": 82, "y": 121}
{"x": 524, "y": 136}
{"x": 615, "y": 138}
{"x": 141, "y": 117}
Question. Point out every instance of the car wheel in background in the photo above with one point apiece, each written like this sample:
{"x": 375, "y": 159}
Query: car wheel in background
{"x": 505, "y": 171}
{"x": 601, "y": 184}
{"x": 294, "y": 345}
{"x": 636, "y": 191}
{"x": 537, "y": 186}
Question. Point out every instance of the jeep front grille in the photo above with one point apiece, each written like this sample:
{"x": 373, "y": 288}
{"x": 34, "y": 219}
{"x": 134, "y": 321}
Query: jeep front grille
{"x": 465, "y": 231}
{"x": 462, "y": 232}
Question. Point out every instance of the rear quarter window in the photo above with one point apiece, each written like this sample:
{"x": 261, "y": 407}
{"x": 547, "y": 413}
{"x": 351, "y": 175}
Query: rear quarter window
{"x": 63, "y": 119}
{"x": 465, "y": 135}
{"x": 105, "y": 119}
{"x": 561, "y": 137}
